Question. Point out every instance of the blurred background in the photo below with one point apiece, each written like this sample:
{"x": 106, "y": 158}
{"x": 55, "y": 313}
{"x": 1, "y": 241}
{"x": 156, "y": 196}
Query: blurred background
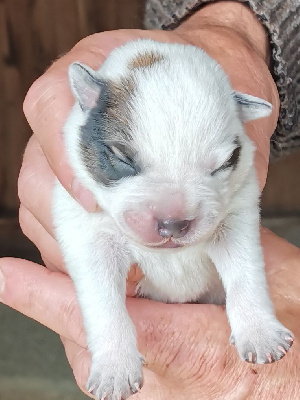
{"x": 33, "y": 33}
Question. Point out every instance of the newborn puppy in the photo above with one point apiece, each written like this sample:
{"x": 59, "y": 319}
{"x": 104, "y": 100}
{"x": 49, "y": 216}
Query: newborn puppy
{"x": 157, "y": 136}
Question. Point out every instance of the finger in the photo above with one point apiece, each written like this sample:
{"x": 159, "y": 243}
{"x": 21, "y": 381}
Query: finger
{"x": 48, "y": 297}
{"x": 261, "y": 162}
{"x": 35, "y": 184}
{"x": 49, "y": 101}
{"x": 133, "y": 278}
{"x": 46, "y": 244}
{"x": 282, "y": 266}
{"x": 79, "y": 359}
{"x": 277, "y": 251}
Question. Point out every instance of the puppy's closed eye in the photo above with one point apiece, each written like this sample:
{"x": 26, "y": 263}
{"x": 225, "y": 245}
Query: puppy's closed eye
{"x": 119, "y": 162}
{"x": 120, "y": 155}
{"x": 231, "y": 162}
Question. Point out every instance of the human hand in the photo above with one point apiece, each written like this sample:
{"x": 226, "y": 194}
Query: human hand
{"x": 186, "y": 346}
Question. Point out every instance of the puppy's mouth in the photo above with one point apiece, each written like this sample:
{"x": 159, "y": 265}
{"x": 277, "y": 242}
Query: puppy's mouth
{"x": 169, "y": 244}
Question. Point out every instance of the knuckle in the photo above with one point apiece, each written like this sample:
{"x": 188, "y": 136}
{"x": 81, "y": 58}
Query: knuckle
{"x": 26, "y": 223}
{"x": 23, "y": 219}
{"x": 27, "y": 170}
{"x": 34, "y": 98}
{"x": 71, "y": 313}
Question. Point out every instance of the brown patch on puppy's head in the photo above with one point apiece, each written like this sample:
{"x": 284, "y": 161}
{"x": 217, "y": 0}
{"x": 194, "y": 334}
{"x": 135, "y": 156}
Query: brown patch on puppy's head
{"x": 145, "y": 60}
{"x": 118, "y": 106}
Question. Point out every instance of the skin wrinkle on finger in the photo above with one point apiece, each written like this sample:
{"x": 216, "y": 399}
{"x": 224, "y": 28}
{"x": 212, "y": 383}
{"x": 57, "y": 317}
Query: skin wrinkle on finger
{"x": 34, "y": 178}
{"x": 49, "y": 265}
{"x": 47, "y": 93}
{"x": 243, "y": 388}
{"x": 45, "y": 243}
{"x": 35, "y": 173}
{"x": 41, "y": 91}
{"x": 80, "y": 359}
{"x": 261, "y": 164}
{"x": 39, "y": 205}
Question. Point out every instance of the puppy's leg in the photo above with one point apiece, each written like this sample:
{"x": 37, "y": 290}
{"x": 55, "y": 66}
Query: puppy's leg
{"x": 98, "y": 264}
{"x": 258, "y": 336}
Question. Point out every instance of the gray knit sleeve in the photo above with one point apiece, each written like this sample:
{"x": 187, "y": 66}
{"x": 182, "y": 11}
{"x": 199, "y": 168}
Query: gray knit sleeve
{"x": 282, "y": 20}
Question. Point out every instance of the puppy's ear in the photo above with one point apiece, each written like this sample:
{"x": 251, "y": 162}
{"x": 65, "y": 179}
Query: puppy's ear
{"x": 251, "y": 107}
{"x": 85, "y": 86}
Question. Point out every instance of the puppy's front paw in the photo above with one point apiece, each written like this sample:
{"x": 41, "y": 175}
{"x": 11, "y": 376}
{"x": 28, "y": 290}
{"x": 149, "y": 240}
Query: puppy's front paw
{"x": 115, "y": 376}
{"x": 264, "y": 343}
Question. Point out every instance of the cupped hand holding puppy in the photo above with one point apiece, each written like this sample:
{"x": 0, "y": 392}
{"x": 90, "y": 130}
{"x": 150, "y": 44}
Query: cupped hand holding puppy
{"x": 186, "y": 346}
{"x": 193, "y": 347}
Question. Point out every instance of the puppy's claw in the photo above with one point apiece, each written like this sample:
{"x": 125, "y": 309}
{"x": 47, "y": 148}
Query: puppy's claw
{"x": 250, "y": 357}
{"x": 270, "y": 358}
{"x": 289, "y": 338}
{"x": 282, "y": 349}
{"x": 137, "y": 386}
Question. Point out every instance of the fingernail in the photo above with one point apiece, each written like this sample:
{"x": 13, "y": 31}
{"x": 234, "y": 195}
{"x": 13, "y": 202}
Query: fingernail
{"x": 84, "y": 196}
{"x": 2, "y": 282}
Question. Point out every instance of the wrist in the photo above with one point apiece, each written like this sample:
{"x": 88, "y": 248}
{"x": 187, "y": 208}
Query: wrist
{"x": 234, "y": 18}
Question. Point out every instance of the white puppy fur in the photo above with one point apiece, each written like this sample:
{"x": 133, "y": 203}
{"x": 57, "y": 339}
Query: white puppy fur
{"x": 156, "y": 134}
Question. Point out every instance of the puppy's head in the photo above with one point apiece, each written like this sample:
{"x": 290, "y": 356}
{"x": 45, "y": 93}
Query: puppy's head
{"x": 157, "y": 135}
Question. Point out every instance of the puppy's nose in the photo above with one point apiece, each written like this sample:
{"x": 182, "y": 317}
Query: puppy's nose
{"x": 172, "y": 228}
